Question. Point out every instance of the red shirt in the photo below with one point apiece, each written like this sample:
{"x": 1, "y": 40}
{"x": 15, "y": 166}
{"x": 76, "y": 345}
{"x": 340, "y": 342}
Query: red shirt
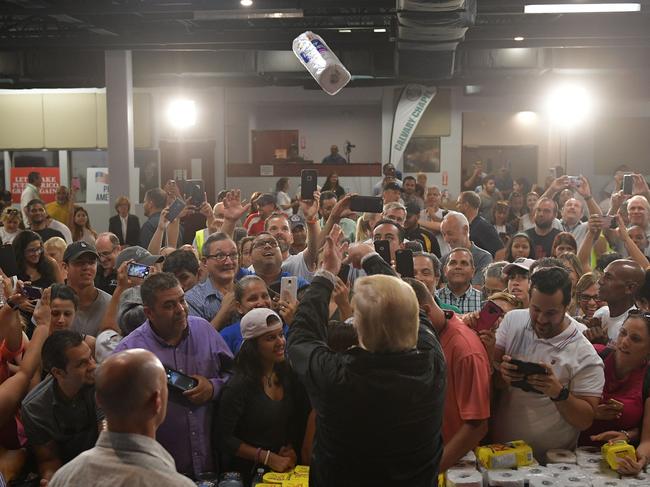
{"x": 254, "y": 224}
{"x": 468, "y": 377}
{"x": 628, "y": 390}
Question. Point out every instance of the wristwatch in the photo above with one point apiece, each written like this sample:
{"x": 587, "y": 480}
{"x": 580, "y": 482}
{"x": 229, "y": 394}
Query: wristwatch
{"x": 562, "y": 396}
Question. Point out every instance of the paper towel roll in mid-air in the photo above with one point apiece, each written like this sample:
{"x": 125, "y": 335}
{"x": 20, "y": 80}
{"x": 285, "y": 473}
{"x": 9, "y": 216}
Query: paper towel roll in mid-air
{"x": 560, "y": 456}
{"x": 505, "y": 478}
{"x": 315, "y": 55}
{"x": 464, "y": 478}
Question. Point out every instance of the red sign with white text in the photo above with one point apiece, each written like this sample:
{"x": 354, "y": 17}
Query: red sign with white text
{"x": 49, "y": 175}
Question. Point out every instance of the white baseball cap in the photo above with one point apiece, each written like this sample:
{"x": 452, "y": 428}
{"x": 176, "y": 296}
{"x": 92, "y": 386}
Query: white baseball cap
{"x": 259, "y": 321}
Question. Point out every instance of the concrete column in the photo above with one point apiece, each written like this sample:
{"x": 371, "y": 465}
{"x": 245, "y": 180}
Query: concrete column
{"x": 119, "y": 112}
{"x": 220, "y": 149}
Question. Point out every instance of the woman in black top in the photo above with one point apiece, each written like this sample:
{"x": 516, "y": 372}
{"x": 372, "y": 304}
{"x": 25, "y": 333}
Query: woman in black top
{"x": 33, "y": 266}
{"x": 332, "y": 184}
{"x": 262, "y": 413}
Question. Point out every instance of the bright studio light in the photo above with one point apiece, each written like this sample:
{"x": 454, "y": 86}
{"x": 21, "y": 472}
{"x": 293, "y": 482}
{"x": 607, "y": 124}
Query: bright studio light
{"x": 181, "y": 113}
{"x": 569, "y": 105}
{"x": 246, "y": 3}
{"x": 526, "y": 117}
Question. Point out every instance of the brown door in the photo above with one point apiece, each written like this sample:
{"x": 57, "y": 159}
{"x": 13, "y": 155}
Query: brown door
{"x": 189, "y": 160}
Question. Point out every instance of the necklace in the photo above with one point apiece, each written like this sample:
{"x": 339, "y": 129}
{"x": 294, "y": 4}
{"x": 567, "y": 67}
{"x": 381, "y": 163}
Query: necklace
{"x": 269, "y": 379}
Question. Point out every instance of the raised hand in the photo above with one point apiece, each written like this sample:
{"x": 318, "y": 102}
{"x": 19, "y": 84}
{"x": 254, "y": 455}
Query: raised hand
{"x": 333, "y": 251}
{"x": 310, "y": 207}
{"x": 233, "y": 207}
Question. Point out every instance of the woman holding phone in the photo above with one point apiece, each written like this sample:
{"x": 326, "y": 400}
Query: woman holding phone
{"x": 620, "y": 412}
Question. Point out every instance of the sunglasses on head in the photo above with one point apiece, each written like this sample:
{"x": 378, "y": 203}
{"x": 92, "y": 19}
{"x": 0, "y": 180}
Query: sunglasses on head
{"x": 639, "y": 312}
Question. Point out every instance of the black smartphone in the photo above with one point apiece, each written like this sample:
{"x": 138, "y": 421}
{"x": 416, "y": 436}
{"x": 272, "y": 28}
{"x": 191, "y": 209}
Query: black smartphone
{"x": 528, "y": 368}
{"x": 137, "y": 270}
{"x": 344, "y": 273}
{"x": 194, "y": 189}
{"x": 488, "y": 316}
{"x": 404, "y": 263}
{"x": 174, "y": 209}
{"x": 628, "y": 184}
{"x": 8, "y": 261}
{"x": 180, "y": 381}
{"x": 609, "y": 221}
{"x": 308, "y": 182}
{"x": 32, "y": 292}
{"x": 367, "y": 204}
{"x": 382, "y": 247}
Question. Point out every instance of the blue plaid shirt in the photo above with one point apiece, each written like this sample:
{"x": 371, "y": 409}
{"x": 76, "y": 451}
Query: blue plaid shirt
{"x": 467, "y": 302}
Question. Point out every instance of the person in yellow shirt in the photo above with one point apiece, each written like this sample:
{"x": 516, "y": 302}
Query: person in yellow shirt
{"x": 60, "y": 209}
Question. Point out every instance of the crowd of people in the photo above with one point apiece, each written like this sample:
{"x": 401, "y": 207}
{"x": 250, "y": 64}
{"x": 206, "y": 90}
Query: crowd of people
{"x": 169, "y": 351}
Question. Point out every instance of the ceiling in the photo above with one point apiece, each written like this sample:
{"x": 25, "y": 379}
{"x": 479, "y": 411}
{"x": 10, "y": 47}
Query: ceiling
{"x": 209, "y": 42}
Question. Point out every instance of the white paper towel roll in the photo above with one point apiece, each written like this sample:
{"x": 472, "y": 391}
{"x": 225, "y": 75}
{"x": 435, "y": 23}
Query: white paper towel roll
{"x": 609, "y": 483}
{"x": 315, "y": 55}
{"x": 589, "y": 461}
{"x": 536, "y": 470}
{"x": 575, "y": 477}
{"x": 464, "y": 478}
{"x": 505, "y": 478}
{"x": 542, "y": 481}
{"x": 589, "y": 450}
{"x": 563, "y": 467}
{"x": 560, "y": 456}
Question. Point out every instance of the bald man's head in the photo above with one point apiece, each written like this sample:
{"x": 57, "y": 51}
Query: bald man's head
{"x": 620, "y": 281}
{"x": 132, "y": 384}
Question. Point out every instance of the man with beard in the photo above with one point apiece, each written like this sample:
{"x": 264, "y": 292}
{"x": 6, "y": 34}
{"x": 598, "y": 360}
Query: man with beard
{"x": 489, "y": 195}
{"x": 547, "y": 410}
{"x": 190, "y": 345}
{"x": 408, "y": 192}
{"x": 543, "y": 233}
{"x": 299, "y": 234}
{"x": 38, "y": 222}
{"x": 155, "y": 201}
{"x": 206, "y": 299}
{"x": 60, "y": 416}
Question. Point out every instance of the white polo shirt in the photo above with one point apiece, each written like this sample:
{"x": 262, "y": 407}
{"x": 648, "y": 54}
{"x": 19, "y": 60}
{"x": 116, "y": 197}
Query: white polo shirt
{"x": 533, "y": 417}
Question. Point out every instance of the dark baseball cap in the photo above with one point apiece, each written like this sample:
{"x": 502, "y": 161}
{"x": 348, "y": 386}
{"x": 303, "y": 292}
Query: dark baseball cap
{"x": 77, "y": 249}
{"x": 139, "y": 255}
{"x": 296, "y": 221}
{"x": 412, "y": 208}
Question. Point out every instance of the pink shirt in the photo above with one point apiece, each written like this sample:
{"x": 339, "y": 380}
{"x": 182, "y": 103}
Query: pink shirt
{"x": 468, "y": 377}
{"x": 628, "y": 390}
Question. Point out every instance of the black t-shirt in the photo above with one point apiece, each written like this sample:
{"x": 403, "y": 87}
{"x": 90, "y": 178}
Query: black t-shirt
{"x": 484, "y": 235}
{"x": 106, "y": 283}
{"x": 542, "y": 245}
{"x": 48, "y": 233}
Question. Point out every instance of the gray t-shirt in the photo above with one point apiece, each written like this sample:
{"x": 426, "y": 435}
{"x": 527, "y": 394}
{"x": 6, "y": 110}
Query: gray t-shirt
{"x": 87, "y": 320}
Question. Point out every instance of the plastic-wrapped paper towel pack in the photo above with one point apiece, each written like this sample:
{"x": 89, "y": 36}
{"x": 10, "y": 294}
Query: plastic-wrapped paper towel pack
{"x": 464, "y": 478}
{"x": 316, "y": 56}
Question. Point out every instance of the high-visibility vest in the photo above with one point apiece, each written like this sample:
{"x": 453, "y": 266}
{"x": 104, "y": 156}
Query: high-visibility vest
{"x": 199, "y": 238}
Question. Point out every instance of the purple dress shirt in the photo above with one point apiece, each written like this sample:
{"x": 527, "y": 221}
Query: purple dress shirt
{"x": 186, "y": 431}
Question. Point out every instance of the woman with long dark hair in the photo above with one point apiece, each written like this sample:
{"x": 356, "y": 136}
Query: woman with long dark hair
{"x": 520, "y": 245}
{"x": 81, "y": 229}
{"x": 332, "y": 184}
{"x": 263, "y": 408}
{"x": 34, "y": 266}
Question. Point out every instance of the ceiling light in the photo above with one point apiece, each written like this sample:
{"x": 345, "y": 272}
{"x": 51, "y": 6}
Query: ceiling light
{"x": 344, "y": 31}
{"x": 526, "y": 117}
{"x": 246, "y": 3}
{"x": 518, "y": 38}
{"x": 181, "y": 113}
{"x": 569, "y": 104}
{"x": 379, "y": 30}
{"x": 566, "y": 8}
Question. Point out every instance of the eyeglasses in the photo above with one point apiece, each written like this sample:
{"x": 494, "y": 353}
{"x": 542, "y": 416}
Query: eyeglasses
{"x": 588, "y": 297}
{"x": 11, "y": 211}
{"x": 220, "y": 256}
{"x": 263, "y": 243}
{"x": 106, "y": 255}
{"x": 34, "y": 251}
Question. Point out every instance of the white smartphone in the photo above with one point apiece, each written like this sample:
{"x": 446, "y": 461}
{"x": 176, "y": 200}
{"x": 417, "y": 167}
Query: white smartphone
{"x": 289, "y": 285}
